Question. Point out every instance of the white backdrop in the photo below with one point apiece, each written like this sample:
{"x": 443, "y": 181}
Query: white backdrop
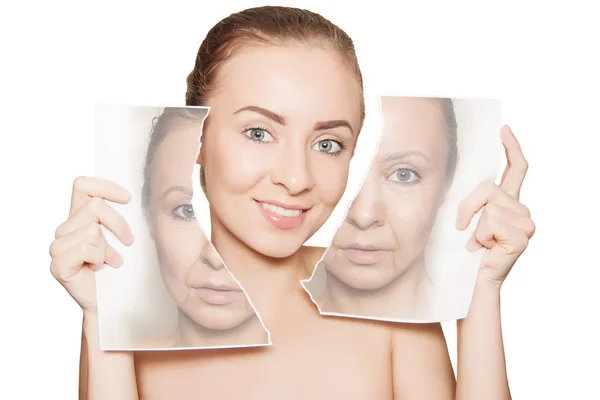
{"x": 62, "y": 57}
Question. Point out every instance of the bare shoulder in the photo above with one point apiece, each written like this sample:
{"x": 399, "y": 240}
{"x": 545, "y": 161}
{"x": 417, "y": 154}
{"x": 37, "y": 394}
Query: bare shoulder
{"x": 420, "y": 362}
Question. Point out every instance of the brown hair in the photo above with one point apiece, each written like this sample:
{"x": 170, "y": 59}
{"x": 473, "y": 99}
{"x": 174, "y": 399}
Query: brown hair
{"x": 451, "y": 127}
{"x": 265, "y": 25}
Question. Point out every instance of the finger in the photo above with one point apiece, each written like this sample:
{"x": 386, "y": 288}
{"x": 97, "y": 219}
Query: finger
{"x": 491, "y": 216}
{"x": 518, "y": 221}
{"x": 98, "y": 211}
{"x": 498, "y": 196}
{"x": 492, "y": 231}
{"x": 112, "y": 257}
{"x": 84, "y": 234}
{"x": 87, "y": 234}
{"x": 473, "y": 244}
{"x": 486, "y": 193}
{"x": 471, "y": 204}
{"x": 516, "y": 164}
{"x": 66, "y": 265}
{"x": 84, "y": 188}
{"x": 494, "y": 212}
{"x": 483, "y": 236}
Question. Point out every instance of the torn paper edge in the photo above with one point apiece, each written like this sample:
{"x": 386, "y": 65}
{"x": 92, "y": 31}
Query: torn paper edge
{"x": 364, "y": 179}
{"x": 470, "y": 229}
{"x": 240, "y": 346}
{"x": 105, "y": 231}
{"x": 195, "y": 196}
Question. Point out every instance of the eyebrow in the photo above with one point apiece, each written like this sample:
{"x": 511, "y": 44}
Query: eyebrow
{"x": 399, "y": 155}
{"x": 319, "y": 126}
{"x": 263, "y": 111}
{"x": 181, "y": 189}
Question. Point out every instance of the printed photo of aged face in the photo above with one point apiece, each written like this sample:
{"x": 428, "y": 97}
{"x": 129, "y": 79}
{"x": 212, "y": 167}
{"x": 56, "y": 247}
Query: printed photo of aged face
{"x": 211, "y": 308}
{"x": 377, "y": 264}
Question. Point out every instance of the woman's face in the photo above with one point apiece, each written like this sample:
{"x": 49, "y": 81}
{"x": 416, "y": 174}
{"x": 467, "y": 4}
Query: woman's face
{"x": 277, "y": 146}
{"x": 389, "y": 223}
{"x": 191, "y": 269}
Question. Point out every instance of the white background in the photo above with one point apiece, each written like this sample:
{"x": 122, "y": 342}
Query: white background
{"x": 59, "y": 58}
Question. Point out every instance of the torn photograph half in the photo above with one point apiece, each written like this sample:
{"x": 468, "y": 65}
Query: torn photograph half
{"x": 398, "y": 256}
{"x": 173, "y": 290}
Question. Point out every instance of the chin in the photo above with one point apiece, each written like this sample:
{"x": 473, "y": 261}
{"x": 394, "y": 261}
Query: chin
{"x": 223, "y": 322}
{"x": 275, "y": 247}
{"x": 363, "y": 280}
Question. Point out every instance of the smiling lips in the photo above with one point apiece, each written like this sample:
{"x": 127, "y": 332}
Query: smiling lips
{"x": 217, "y": 295}
{"x": 282, "y": 216}
{"x": 364, "y": 255}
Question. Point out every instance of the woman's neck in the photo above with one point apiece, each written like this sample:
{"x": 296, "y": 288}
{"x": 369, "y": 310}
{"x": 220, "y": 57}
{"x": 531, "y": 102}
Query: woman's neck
{"x": 404, "y": 298}
{"x": 270, "y": 283}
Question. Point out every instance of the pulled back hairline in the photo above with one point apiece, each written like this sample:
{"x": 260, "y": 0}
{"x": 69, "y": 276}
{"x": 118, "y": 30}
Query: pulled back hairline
{"x": 246, "y": 43}
{"x": 241, "y": 29}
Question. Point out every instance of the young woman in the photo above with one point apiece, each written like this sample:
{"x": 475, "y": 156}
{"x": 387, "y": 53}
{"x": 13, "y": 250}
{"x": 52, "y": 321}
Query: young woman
{"x": 286, "y": 97}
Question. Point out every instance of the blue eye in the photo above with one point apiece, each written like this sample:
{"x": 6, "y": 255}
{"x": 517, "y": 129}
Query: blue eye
{"x": 258, "y": 135}
{"x": 328, "y": 146}
{"x": 404, "y": 176}
{"x": 184, "y": 211}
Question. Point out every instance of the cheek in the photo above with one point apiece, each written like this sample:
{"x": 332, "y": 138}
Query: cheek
{"x": 232, "y": 164}
{"x": 330, "y": 177}
{"x": 177, "y": 247}
{"x": 330, "y": 256}
{"x": 408, "y": 212}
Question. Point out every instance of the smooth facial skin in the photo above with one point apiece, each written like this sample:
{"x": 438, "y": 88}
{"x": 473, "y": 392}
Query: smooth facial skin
{"x": 278, "y": 143}
{"x": 389, "y": 223}
{"x": 205, "y": 292}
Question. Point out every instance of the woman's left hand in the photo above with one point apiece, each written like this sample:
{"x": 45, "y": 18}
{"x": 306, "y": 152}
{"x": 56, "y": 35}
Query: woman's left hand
{"x": 505, "y": 226}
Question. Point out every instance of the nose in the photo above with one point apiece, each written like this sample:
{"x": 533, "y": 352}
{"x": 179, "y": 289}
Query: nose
{"x": 293, "y": 171}
{"x": 367, "y": 210}
{"x": 210, "y": 257}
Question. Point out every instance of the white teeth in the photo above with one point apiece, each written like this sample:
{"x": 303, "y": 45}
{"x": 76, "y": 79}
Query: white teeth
{"x": 292, "y": 213}
{"x": 281, "y": 211}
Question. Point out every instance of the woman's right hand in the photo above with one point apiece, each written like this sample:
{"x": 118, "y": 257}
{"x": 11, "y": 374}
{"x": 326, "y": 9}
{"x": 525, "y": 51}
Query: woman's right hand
{"x": 80, "y": 248}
